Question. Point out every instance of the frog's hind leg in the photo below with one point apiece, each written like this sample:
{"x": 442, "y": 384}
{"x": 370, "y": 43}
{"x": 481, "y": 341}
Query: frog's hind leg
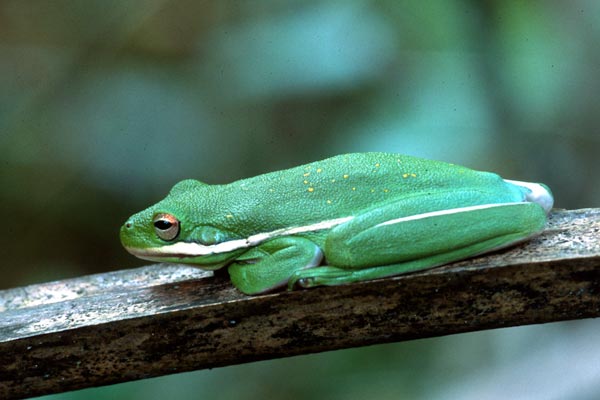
{"x": 331, "y": 276}
{"x": 400, "y": 245}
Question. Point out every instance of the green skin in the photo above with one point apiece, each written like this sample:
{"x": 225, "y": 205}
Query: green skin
{"x": 345, "y": 219}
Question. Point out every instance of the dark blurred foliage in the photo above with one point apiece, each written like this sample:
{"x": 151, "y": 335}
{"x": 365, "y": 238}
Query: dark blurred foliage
{"x": 106, "y": 104}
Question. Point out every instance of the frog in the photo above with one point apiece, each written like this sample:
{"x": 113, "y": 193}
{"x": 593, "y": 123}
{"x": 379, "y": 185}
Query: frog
{"x": 345, "y": 219}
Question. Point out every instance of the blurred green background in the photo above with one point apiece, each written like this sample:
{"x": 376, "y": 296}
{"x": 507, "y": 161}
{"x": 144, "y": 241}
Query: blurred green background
{"x": 104, "y": 105}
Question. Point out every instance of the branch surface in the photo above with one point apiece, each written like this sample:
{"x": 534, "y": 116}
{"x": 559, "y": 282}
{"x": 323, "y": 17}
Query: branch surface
{"x": 162, "y": 319}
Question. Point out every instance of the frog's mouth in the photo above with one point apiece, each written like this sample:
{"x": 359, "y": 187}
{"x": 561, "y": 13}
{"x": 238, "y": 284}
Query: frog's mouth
{"x": 187, "y": 249}
{"x": 183, "y": 250}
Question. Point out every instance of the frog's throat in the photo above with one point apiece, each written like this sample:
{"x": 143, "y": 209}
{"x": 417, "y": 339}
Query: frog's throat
{"x": 192, "y": 249}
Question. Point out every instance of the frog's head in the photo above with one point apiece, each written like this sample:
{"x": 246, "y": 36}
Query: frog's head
{"x": 173, "y": 230}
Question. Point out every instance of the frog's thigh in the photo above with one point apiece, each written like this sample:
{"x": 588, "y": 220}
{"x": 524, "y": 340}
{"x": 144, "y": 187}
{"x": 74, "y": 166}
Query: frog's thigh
{"x": 458, "y": 233}
{"x": 271, "y": 264}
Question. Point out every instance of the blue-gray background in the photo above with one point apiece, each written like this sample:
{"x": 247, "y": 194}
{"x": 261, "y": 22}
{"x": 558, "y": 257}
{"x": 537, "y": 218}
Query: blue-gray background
{"x": 105, "y": 104}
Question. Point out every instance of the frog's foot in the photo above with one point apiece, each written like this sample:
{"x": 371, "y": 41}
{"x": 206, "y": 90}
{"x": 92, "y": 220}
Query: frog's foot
{"x": 331, "y": 276}
{"x": 320, "y": 276}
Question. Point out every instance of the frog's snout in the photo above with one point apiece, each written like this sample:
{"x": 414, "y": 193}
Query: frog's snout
{"x": 128, "y": 225}
{"x": 126, "y": 229}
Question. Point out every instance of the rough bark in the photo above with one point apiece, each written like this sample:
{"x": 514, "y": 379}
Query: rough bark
{"x": 162, "y": 319}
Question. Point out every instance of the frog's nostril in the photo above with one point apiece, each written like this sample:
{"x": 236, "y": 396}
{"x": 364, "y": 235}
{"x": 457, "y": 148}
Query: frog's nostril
{"x": 128, "y": 224}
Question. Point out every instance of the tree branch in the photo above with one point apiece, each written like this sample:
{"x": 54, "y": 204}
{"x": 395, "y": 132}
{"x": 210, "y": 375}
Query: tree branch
{"x": 161, "y": 319}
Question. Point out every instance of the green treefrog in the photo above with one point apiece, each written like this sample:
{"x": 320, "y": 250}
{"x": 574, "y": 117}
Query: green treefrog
{"x": 344, "y": 219}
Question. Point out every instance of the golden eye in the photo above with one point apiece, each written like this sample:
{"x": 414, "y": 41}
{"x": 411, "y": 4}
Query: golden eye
{"x": 166, "y": 226}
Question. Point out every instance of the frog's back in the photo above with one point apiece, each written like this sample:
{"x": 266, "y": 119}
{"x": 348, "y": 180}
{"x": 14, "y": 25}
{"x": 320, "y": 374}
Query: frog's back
{"x": 367, "y": 171}
{"x": 344, "y": 185}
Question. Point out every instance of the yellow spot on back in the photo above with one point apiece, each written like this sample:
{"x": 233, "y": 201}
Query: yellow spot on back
{"x": 413, "y": 175}
{"x": 319, "y": 170}
{"x": 305, "y": 182}
{"x": 346, "y": 176}
{"x": 328, "y": 201}
{"x": 271, "y": 190}
{"x": 311, "y": 189}
{"x": 385, "y": 190}
{"x": 229, "y": 216}
{"x": 353, "y": 188}
{"x": 405, "y": 175}
{"x": 377, "y": 165}
{"x": 372, "y": 190}
{"x": 306, "y": 174}
{"x": 333, "y": 181}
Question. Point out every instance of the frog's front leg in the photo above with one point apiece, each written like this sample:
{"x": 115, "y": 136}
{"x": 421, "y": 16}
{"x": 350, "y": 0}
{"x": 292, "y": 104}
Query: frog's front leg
{"x": 271, "y": 264}
{"x": 362, "y": 250}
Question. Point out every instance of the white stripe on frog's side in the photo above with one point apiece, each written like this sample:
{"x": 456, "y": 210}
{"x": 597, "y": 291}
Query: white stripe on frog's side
{"x": 186, "y": 249}
{"x": 445, "y": 212}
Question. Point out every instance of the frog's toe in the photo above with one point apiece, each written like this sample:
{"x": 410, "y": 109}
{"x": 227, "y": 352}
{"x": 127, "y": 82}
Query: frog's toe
{"x": 320, "y": 276}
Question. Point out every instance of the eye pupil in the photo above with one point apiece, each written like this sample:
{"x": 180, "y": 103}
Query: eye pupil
{"x": 162, "y": 224}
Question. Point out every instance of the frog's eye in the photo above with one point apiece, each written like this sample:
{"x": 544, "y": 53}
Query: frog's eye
{"x": 166, "y": 226}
